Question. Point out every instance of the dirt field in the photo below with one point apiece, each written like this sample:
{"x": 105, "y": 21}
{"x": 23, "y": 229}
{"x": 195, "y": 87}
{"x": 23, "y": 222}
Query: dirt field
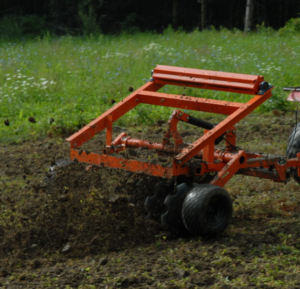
{"x": 82, "y": 228}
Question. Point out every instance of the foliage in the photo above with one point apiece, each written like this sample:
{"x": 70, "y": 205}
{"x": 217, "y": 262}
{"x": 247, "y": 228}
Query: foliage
{"x": 114, "y": 16}
{"x": 291, "y": 28}
{"x": 88, "y": 19}
{"x": 73, "y": 80}
{"x": 14, "y": 27}
{"x": 265, "y": 30}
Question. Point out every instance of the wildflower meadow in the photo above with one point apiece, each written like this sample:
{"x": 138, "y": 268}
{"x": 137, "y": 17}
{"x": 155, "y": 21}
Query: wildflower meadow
{"x": 63, "y": 83}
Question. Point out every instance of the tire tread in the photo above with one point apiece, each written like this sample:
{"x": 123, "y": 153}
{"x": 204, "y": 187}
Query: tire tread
{"x": 195, "y": 207}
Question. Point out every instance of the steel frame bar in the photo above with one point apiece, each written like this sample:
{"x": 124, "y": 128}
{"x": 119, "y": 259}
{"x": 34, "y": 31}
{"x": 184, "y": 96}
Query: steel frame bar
{"x": 206, "y": 74}
{"x": 187, "y": 153}
{"x": 225, "y": 174}
{"x": 207, "y": 79}
{"x": 188, "y": 102}
{"x": 128, "y": 165}
{"x": 225, "y": 163}
{"x": 230, "y": 163}
{"x": 100, "y": 123}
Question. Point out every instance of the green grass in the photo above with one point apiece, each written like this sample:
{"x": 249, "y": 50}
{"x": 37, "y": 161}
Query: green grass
{"x": 73, "y": 80}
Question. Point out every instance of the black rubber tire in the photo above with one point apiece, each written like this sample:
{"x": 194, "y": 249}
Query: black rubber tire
{"x": 293, "y": 148}
{"x": 206, "y": 210}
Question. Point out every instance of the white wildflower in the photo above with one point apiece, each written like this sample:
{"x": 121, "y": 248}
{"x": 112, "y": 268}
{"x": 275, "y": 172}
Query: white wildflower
{"x": 152, "y": 46}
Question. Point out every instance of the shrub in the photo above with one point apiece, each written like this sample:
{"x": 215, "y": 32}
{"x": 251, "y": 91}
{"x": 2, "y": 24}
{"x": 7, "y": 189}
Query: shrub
{"x": 265, "y": 30}
{"x": 291, "y": 27}
{"x": 88, "y": 19}
{"x": 13, "y": 26}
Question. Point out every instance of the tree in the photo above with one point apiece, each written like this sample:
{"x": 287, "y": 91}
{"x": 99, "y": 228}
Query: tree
{"x": 249, "y": 13}
{"x": 203, "y": 14}
{"x": 175, "y": 12}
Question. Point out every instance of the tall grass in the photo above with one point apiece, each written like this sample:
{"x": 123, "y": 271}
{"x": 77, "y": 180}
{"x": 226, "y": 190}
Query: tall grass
{"x": 73, "y": 79}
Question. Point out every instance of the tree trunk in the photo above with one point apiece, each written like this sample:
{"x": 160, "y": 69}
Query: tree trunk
{"x": 248, "y": 17}
{"x": 175, "y": 14}
{"x": 203, "y": 14}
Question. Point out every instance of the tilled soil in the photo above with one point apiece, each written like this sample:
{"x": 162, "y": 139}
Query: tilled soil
{"x": 87, "y": 227}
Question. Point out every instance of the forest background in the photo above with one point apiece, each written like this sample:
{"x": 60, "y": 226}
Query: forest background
{"x": 60, "y": 17}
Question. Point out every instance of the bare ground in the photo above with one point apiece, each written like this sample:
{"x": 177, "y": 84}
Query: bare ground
{"x": 88, "y": 228}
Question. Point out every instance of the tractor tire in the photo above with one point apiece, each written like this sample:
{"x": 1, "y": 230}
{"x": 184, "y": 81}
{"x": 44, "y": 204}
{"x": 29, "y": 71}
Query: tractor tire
{"x": 293, "y": 148}
{"x": 172, "y": 219}
{"x": 206, "y": 210}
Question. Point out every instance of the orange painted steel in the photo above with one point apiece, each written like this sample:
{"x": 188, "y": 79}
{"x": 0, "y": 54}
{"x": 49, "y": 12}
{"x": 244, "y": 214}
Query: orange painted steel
{"x": 106, "y": 160}
{"x": 206, "y": 157}
{"x": 207, "y": 79}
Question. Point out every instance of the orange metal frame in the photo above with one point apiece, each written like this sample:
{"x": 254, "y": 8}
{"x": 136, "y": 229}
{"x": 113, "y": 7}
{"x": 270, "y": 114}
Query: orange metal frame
{"x": 225, "y": 163}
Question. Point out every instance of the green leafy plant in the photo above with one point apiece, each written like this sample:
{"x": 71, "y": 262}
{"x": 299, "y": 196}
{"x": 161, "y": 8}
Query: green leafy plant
{"x": 15, "y": 27}
{"x": 290, "y": 28}
{"x": 88, "y": 18}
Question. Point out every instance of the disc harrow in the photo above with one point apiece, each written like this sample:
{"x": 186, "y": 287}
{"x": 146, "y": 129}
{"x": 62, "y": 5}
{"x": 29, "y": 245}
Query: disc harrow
{"x": 199, "y": 209}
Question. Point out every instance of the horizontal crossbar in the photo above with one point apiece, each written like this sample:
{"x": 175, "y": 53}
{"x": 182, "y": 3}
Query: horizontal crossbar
{"x": 208, "y": 79}
{"x": 188, "y": 102}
